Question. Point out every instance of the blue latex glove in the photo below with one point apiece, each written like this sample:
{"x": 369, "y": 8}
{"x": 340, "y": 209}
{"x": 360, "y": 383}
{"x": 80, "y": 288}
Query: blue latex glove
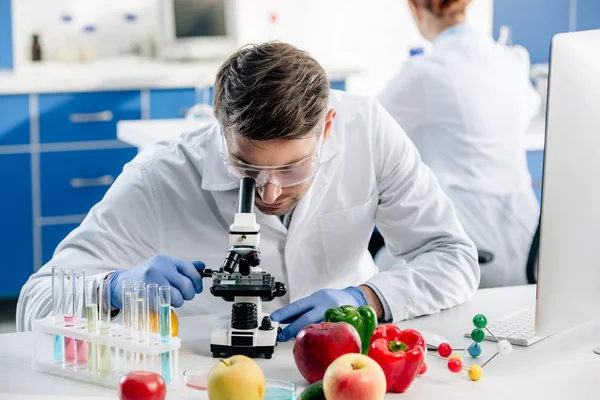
{"x": 183, "y": 277}
{"x": 311, "y": 309}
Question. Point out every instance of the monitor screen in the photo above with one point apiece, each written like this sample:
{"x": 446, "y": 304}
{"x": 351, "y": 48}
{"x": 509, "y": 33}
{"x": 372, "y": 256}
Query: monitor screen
{"x": 204, "y": 18}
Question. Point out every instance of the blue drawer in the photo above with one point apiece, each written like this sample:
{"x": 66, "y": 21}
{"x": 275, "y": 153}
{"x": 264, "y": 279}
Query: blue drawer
{"x": 73, "y": 181}
{"x": 16, "y": 221}
{"x": 14, "y": 120}
{"x": 535, "y": 162}
{"x": 52, "y": 235}
{"x": 171, "y": 103}
{"x": 74, "y": 117}
{"x": 338, "y": 85}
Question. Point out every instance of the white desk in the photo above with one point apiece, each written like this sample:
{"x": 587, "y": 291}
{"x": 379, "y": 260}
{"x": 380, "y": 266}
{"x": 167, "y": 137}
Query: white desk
{"x": 560, "y": 367}
{"x": 145, "y": 132}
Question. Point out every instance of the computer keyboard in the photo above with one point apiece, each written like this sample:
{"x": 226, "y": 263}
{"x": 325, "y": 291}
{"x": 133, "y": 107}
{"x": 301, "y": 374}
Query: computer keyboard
{"x": 518, "y": 328}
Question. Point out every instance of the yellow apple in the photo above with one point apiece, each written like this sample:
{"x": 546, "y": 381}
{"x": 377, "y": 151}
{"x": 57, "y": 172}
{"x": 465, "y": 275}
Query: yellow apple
{"x": 354, "y": 376}
{"x": 236, "y": 378}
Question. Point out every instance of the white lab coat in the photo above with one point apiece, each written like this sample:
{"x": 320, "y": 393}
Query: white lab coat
{"x": 467, "y": 108}
{"x": 176, "y": 198}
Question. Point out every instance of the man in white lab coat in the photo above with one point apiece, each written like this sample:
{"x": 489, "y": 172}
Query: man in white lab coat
{"x": 328, "y": 166}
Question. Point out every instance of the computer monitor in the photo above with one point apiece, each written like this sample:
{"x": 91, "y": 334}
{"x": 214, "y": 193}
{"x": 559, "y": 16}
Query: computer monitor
{"x": 568, "y": 290}
{"x": 197, "y": 29}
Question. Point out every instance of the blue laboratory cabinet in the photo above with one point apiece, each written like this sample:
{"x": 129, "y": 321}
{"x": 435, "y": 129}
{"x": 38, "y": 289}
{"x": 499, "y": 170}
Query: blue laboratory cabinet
{"x": 16, "y": 233}
{"x": 59, "y": 154}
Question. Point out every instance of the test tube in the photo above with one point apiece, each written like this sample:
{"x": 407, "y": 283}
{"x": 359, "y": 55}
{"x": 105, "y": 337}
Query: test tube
{"x": 165, "y": 331}
{"x": 153, "y": 317}
{"x": 128, "y": 312}
{"x": 91, "y": 308}
{"x": 140, "y": 325}
{"x": 139, "y": 292}
{"x": 104, "y": 328}
{"x": 57, "y": 308}
{"x": 69, "y": 314}
{"x": 153, "y": 313}
{"x": 127, "y": 308}
{"x": 80, "y": 316}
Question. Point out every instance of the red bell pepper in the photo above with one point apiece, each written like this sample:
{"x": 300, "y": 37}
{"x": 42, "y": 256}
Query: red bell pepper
{"x": 400, "y": 354}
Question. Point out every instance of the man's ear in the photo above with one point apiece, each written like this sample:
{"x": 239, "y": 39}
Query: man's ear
{"x": 328, "y": 124}
{"x": 415, "y": 10}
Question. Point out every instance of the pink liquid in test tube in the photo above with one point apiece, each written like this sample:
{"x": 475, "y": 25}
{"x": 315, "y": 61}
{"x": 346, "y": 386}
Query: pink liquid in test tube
{"x": 70, "y": 351}
{"x": 82, "y": 352}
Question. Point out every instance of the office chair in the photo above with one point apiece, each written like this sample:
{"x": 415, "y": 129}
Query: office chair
{"x": 377, "y": 242}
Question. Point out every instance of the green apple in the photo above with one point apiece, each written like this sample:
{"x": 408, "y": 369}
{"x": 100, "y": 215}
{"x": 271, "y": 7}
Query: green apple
{"x": 354, "y": 376}
{"x": 236, "y": 378}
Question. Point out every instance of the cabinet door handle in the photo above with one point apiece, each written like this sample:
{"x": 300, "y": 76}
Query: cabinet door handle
{"x": 105, "y": 180}
{"x": 80, "y": 118}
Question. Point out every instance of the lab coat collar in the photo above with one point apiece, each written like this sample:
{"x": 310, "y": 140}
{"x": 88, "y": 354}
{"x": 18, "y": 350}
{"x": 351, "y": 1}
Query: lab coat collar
{"x": 451, "y": 31}
{"x": 215, "y": 176}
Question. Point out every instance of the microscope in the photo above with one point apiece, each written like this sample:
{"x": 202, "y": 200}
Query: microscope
{"x": 247, "y": 331}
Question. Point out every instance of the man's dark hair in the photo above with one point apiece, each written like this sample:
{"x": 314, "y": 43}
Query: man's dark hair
{"x": 270, "y": 91}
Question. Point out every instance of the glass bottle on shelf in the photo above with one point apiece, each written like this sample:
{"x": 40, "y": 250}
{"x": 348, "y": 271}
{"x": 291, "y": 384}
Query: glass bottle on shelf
{"x": 89, "y": 47}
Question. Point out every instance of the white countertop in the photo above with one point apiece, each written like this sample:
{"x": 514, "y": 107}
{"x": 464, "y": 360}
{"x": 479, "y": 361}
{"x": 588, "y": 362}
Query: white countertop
{"x": 142, "y": 133}
{"x": 119, "y": 74}
{"x": 559, "y": 367}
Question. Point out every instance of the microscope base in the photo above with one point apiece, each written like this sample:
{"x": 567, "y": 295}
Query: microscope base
{"x": 255, "y": 342}
{"x": 252, "y": 352}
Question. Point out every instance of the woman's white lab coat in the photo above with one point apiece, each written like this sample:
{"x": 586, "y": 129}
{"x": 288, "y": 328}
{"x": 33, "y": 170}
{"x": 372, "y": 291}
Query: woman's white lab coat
{"x": 467, "y": 108}
{"x": 177, "y": 199}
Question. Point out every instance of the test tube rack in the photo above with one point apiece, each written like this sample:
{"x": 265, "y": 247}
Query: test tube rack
{"x": 126, "y": 354}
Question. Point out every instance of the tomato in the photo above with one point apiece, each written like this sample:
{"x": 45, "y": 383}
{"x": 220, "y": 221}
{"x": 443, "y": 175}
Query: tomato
{"x": 138, "y": 385}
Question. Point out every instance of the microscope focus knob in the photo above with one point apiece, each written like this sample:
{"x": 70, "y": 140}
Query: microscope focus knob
{"x": 280, "y": 289}
{"x": 265, "y": 324}
{"x": 253, "y": 258}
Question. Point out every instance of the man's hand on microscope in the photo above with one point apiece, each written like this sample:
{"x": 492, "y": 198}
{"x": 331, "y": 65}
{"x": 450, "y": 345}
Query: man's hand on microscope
{"x": 183, "y": 276}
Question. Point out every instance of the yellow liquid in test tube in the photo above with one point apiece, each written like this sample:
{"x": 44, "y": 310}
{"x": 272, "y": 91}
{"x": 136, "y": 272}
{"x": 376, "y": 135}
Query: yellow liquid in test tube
{"x": 155, "y": 322}
{"x": 104, "y": 351}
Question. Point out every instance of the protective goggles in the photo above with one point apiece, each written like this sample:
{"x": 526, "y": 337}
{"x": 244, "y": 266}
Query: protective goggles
{"x": 284, "y": 176}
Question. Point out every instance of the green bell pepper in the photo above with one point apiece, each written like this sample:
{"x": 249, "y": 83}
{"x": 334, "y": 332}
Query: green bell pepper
{"x": 362, "y": 318}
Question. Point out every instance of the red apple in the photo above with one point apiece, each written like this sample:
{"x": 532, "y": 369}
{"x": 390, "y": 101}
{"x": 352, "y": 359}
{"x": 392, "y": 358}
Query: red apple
{"x": 318, "y": 345}
{"x": 354, "y": 377}
{"x": 138, "y": 385}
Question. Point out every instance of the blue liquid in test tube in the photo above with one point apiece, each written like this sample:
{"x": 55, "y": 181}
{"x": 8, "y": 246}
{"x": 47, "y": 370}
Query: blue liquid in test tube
{"x": 59, "y": 348}
{"x": 165, "y": 331}
{"x": 57, "y": 311}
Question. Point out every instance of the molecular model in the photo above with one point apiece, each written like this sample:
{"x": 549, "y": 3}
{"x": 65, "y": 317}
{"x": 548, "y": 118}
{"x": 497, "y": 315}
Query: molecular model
{"x": 455, "y": 361}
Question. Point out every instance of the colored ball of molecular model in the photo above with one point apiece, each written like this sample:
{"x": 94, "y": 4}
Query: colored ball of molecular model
{"x": 475, "y": 372}
{"x": 480, "y": 321}
{"x": 455, "y": 365}
{"x": 504, "y": 348}
{"x": 455, "y": 362}
{"x": 477, "y": 335}
{"x": 475, "y": 350}
{"x": 445, "y": 350}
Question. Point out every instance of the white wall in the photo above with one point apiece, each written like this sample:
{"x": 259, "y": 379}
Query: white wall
{"x": 372, "y": 35}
